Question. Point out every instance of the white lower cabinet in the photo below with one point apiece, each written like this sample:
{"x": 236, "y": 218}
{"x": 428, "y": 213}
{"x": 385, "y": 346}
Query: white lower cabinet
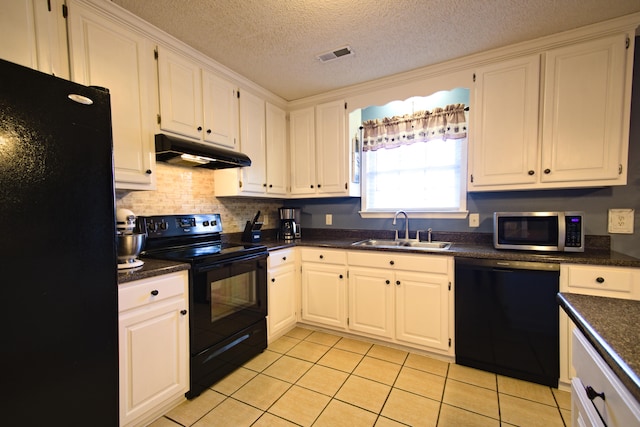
{"x": 422, "y": 309}
{"x": 282, "y": 295}
{"x": 400, "y": 298}
{"x": 406, "y": 298}
{"x": 324, "y": 287}
{"x": 153, "y": 346}
{"x": 618, "y": 408}
{"x": 597, "y": 280}
{"x": 371, "y": 301}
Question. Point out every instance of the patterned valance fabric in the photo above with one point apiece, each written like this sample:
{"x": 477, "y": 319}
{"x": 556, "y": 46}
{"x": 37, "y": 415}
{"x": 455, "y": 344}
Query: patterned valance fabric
{"x": 442, "y": 123}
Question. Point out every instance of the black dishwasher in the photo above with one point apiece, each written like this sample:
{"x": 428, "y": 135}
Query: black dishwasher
{"x": 506, "y": 318}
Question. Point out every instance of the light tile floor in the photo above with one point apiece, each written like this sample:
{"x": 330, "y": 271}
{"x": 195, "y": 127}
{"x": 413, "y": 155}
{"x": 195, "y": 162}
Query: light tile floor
{"x": 312, "y": 378}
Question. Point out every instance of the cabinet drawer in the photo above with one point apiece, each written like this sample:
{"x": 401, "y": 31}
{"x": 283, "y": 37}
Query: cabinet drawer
{"x": 325, "y": 256}
{"x": 423, "y": 263}
{"x": 602, "y": 281}
{"x": 145, "y": 291}
{"x": 619, "y": 408}
{"x": 281, "y": 257}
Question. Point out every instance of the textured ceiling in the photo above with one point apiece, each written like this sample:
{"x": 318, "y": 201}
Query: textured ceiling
{"x": 275, "y": 42}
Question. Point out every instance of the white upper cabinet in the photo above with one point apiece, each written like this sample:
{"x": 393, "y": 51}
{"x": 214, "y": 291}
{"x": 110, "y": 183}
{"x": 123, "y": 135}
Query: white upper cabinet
{"x": 180, "y": 94}
{"x": 252, "y": 142}
{"x": 220, "y": 110}
{"x": 33, "y": 33}
{"x": 277, "y": 154}
{"x": 320, "y": 161}
{"x": 194, "y": 102}
{"x": 505, "y": 123}
{"x": 106, "y": 53}
{"x": 331, "y": 149}
{"x": 263, "y": 138}
{"x": 303, "y": 151}
{"x": 581, "y": 137}
{"x": 584, "y": 112}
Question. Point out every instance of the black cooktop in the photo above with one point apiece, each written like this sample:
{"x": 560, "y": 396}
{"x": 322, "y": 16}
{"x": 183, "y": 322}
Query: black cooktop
{"x": 191, "y": 238}
{"x": 215, "y": 252}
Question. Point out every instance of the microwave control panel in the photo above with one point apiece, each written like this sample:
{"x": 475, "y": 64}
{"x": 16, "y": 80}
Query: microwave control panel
{"x": 573, "y": 227}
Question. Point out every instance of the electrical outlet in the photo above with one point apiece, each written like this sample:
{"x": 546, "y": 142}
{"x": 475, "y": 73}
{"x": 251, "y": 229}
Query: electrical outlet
{"x": 328, "y": 219}
{"x": 474, "y": 220}
{"x": 621, "y": 221}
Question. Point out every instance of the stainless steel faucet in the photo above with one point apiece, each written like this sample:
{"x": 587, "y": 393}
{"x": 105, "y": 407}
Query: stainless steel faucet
{"x": 406, "y": 224}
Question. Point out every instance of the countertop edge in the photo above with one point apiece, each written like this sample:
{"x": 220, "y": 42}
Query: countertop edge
{"x": 469, "y": 250}
{"x": 150, "y": 268}
{"x": 605, "y": 349}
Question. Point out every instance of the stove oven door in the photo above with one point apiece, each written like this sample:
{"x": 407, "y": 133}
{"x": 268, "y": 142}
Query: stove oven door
{"x": 226, "y": 298}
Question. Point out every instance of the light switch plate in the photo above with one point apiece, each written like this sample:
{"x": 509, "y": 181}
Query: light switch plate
{"x": 328, "y": 219}
{"x": 621, "y": 221}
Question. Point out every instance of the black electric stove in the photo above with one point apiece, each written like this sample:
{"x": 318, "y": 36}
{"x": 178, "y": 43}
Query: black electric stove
{"x": 227, "y": 292}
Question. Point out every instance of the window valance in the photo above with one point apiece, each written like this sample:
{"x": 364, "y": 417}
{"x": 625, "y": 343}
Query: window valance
{"x": 442, "y": 123}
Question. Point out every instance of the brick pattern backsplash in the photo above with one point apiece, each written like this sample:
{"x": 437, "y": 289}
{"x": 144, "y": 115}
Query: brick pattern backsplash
{"x": 182, "y": 190}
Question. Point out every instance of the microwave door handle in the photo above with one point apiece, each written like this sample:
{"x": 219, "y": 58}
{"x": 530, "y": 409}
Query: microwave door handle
{"x": 562, "y": 231}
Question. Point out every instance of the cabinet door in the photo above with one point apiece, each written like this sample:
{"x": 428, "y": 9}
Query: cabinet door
{"x": 583, "y": 111}
{"x": 281, "y": 298}
{"x": 303, "y": 155}
{"x": 18, "y": 33}
{"x": 371, "y": 304}
{"x": 180, "y": 88}
{"x": 331, "y": 148}
{"x": 252, "y": 142}
{"x": 220, "y": 109}
{"x": 153, "y": 357}
{"x": 33, "y": 33}
{"x": 107, "y": 54}
{"x": 324, "y": 295}
{"x": 505, "y": 123}
{"x": 422, "y": 309}
{"x": 277, "y": 155}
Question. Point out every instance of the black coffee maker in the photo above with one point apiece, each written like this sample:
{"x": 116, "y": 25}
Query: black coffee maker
{"x": 289, "y": 223}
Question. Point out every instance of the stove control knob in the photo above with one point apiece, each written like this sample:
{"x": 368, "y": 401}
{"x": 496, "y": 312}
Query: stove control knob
{"x": 206, "y": 223}
{"x": 164, "y": 225}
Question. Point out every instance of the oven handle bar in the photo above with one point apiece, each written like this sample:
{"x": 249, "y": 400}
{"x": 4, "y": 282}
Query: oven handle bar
{"x": 208, "y": 267}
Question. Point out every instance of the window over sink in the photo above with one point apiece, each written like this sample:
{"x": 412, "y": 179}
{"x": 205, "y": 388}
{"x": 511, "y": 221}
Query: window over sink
{"x": 414, "y": 156}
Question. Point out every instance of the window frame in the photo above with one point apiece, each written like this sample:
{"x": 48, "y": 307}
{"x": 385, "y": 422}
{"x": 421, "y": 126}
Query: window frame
{"x": 459, "y": 213}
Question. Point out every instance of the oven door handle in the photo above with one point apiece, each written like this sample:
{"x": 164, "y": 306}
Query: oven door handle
{"x": 208, "y": 267}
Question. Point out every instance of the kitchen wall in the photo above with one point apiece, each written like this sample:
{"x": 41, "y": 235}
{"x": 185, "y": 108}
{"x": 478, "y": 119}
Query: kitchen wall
{"x": 594, "y": 201}
{"x": 182, "y": 190}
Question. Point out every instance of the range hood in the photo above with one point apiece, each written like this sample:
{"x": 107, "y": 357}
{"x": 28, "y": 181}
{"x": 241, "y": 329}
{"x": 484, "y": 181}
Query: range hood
{"x": 182, "y": 152}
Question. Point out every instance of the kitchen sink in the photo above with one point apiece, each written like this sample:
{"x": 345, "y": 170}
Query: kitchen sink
{"x": 404, "y": 244}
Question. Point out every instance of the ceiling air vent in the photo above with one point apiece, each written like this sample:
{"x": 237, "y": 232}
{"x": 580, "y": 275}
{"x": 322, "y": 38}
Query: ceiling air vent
{"x": 335, "y": 54}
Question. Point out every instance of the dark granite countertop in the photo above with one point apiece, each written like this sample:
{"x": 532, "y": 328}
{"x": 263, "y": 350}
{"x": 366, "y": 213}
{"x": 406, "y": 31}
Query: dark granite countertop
{"x": 468, "y": 245}
{"x": 150, "y": 268}
{"x": 612, "y": 326}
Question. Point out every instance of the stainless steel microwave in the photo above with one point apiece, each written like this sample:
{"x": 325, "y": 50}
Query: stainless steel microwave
{"x": 539, "y": 231}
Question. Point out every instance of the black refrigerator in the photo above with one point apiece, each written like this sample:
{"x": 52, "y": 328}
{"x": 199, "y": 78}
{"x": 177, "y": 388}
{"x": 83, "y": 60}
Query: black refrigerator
{"x": 59, "y": 339}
